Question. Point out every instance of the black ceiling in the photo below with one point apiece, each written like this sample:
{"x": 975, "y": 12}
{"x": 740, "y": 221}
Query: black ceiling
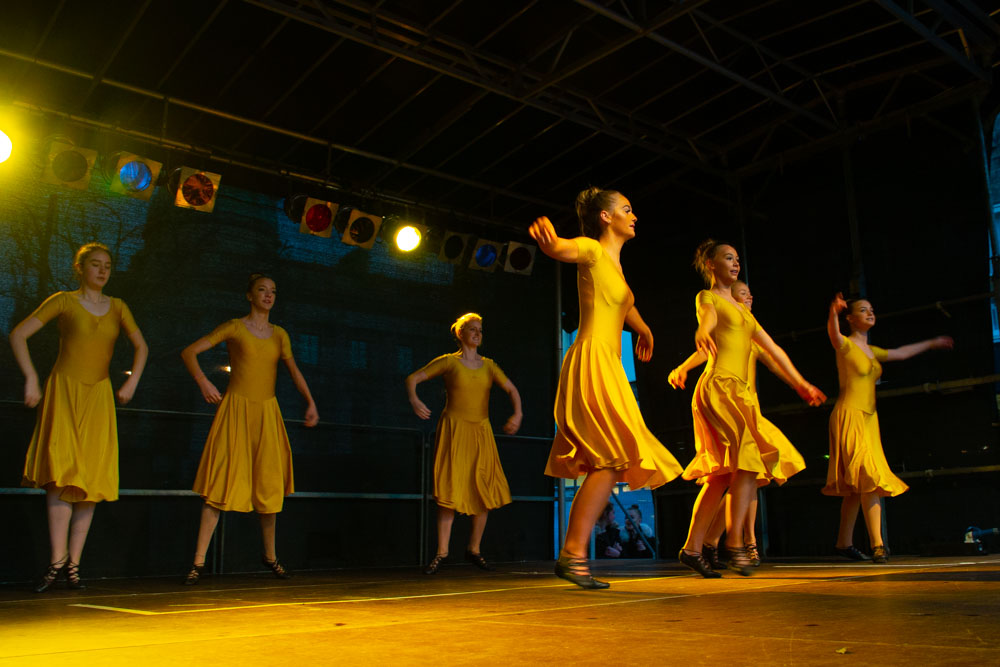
{"x": 494, "y": 108}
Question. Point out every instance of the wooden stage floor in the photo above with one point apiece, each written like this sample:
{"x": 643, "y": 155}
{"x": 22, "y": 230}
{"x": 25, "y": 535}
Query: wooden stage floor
{"x": 913, "y": 611}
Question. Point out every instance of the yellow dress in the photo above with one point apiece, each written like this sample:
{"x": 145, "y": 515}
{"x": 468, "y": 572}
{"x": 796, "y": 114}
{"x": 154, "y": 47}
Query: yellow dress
{"x": 728, "y": 428}
{"x": 75, "y": 443}
{"x": 468, "y": 477}
{"x": 790, "y": 461}
{"x": 598, "y": 419}
{"x": 247, "y": 462}
{"x": 857, "y": 462}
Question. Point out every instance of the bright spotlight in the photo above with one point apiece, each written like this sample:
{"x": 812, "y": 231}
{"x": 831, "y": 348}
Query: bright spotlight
{"x": 408, "y": 238}
{"x": 5, "y": 147}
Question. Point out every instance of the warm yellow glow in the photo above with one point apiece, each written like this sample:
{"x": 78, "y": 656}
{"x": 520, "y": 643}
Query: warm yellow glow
{"x": 5, "y": 147}
{"x": 128, "y": 372}
{"x": 228, "y": 369}
{"x": 407, "y": 238}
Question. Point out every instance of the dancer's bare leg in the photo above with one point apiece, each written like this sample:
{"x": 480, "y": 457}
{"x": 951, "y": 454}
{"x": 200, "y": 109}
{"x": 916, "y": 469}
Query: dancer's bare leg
{"x": 590, "y": 501}
{"x": 478, "y": 526}
{"x": 704, "y": 511}
{"x": 445, "y": 519}
{"x": 848, "y": 517}
{"x": 206, "y": 528}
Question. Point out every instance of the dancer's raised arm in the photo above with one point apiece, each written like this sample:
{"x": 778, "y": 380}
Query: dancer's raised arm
{"x": 553, "y": 245}
{"x": 806, "y": 391}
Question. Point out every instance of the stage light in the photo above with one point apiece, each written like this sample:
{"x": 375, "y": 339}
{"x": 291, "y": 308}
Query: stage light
{"x": 453, "y": 247}
{"x": 196, "y": 189}
{"x": 408, "y": 238}
{"x": 485, "y": 256}
{"x": 520, "y": 258}
{"x": 134, "y": 176}
{"x": 69, "y": 165}
{"x": 317, "y": 217}
{"x": 6, "y": 147}
{"x": 361, "y": 229}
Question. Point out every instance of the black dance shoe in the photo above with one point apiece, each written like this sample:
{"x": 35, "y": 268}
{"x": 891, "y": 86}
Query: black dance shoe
{"x": 51, "y": 574}
{"x": 739, "y": 561}
{"x": 851, "y": 553}
{"x": 880, "y": 555}
{"x": 478, "y": 561}
{"x": 193, "y": 575}
{"x": 73, "y": 576}
{"x": 753, "y": 555}
{"x": 276, "y": 567}
{"x": 698, "y": 563}
{"x": 576, "y": 571}
{"x": 711, "y": 556}
{"x": 435, "y": 564}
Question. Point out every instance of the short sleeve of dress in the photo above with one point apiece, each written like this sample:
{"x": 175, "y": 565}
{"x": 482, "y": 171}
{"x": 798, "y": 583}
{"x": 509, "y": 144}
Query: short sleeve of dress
{"x": 756, "y": 324}
{"x": 126, "y": 319}
{"x": 438, "y": 366}
{"x": 704, "y": 298}
{"x": 52, "y": 307}
{"x": 498, "y": 375}
{"x": 845, "y": 345}
{"x": 286, "y": 342}
{"x": 589, "y": 250}
{"x": 881, "y": 354}
{"x": 222, "y": 332}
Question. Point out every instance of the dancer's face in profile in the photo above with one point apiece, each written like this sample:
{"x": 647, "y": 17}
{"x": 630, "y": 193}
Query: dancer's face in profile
{"x": 742, "y": 294}
{"x": 725, "y": 265}
{"x": 262, "y": 295}
{"x": 472, "y": 333}
{"x": 621, "y": 220}
{"x": 95, "y": 270}
{"x": 862, "y": 316}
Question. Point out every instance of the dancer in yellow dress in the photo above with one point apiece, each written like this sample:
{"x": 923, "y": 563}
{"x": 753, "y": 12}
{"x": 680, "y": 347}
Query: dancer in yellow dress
{"x": 731, "y": 448}
{"x": 74, "y": 450}
{"x": 468, "y": 477}
{"x": 600, "y": 431}
{"x": 246, "y": 465}
{"x": 858, "y": 469}
{"x": 791, "y": 461}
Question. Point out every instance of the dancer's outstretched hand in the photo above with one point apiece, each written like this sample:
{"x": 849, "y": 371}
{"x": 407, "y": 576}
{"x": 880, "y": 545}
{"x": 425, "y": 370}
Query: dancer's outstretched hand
{"x": 644, "y": 345}
{"x": 677, "y": 378}
{"x": 811, "y": 395}
{"x": 420, "y": 410}
{"x": 544, "y": 233}
{"x": 32, "y": 392}
{"x": 942, "y": 343}
{"x": 838, "y": 304}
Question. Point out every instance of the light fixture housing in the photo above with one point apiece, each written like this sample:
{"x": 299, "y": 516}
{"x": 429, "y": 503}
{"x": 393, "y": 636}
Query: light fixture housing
{"x": 520, "y": 258}
{"x": 197, "y": 189}
{"x": 317, "y": 217}
{"x": 134, "y": 175}
{"x": 453, "y": 247}
{"x": 361, "y": 229}
{"x": 485, "y": 256}
{"x": 69, "y": 165}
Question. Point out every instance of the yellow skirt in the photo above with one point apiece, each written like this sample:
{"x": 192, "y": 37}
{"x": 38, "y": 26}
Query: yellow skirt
{"x": 731, "y": 434}
{"x": 857, "y": 462}
{"x": 247, "y": 462}
{"x": 75, "y": 443}
{"x": 468, "y": 477}
{"x": 599, "y": 423}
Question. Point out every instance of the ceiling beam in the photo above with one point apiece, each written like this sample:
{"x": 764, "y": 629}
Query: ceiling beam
{"x": 249, "y": 122}
{"x": 710, "y": 64}
{"x": 576, "y": 112}
{"x": 934, "y": 40}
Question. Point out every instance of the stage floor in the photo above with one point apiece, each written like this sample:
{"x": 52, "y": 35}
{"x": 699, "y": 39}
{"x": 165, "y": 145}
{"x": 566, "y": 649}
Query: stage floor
{"x": 915, "y": 611}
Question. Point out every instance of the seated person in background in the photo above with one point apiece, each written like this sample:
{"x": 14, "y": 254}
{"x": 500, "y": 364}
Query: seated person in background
{"x": 635, "y": 547}
{"x": 608, "y": 538}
